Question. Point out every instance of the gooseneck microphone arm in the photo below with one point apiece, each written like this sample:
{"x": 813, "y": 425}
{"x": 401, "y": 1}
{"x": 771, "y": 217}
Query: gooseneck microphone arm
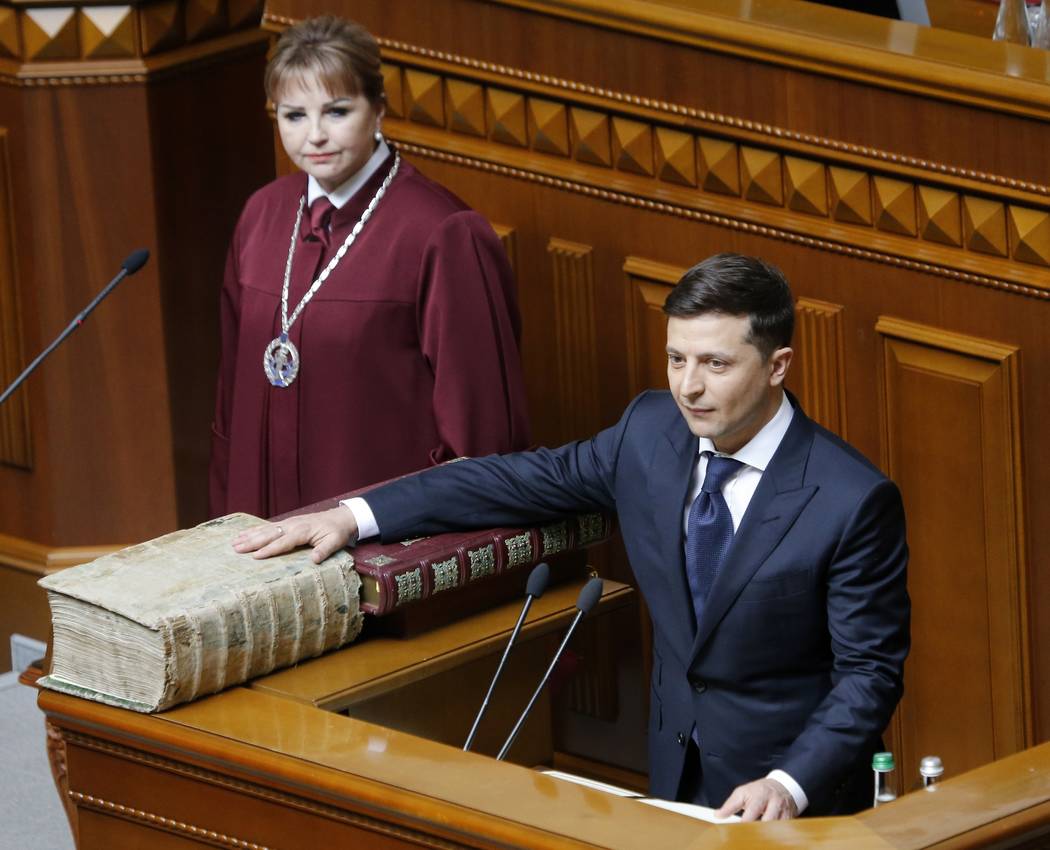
{"x": 534, "y": 588}
{"x": 135, "y": 261}
{"x": 587, "y": 599}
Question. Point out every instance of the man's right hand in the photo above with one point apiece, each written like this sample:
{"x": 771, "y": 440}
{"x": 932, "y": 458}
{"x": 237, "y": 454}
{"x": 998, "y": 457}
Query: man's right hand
{"x": 326, "y": 531}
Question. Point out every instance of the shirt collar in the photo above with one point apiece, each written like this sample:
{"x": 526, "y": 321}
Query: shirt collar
{"x": 346, "y": 191}
{"x": 759, "y": 450}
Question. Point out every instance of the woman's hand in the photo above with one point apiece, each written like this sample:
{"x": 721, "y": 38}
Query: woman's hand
{"x": 326, "y": 531}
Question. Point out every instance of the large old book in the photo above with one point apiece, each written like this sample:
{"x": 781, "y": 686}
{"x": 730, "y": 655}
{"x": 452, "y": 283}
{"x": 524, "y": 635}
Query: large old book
{"x": 396, "y": 575}
{"x": 184, "y": 615}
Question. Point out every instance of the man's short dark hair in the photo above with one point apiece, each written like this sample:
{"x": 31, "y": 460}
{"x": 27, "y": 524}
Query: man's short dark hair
{"x": 736, "y": 285}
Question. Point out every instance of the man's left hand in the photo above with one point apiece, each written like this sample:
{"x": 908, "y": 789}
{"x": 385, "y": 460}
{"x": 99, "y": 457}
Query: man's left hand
{"x": 763, "y": 799}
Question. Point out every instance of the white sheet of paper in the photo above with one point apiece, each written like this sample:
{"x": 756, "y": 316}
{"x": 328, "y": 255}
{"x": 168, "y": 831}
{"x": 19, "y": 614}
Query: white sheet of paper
{"x": 688, "y": 809}
{"x": 591, "y": 783}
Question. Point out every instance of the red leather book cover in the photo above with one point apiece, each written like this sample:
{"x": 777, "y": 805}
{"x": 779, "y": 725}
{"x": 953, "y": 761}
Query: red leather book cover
{"x": 394, "y": 575}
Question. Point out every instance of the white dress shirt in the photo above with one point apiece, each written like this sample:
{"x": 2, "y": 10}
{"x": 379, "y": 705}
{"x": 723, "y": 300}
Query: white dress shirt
{"x": 349, "y": 187}
{"x": 756, "y": 455}
{"x": 738, "y": 490}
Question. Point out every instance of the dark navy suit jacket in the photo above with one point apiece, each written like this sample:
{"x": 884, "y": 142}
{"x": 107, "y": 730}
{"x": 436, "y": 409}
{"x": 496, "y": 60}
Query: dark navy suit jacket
{"x": 797, "y": 663}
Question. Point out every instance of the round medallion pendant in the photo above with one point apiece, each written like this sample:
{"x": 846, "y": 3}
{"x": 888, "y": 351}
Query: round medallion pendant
{"x": 281, "y": 361}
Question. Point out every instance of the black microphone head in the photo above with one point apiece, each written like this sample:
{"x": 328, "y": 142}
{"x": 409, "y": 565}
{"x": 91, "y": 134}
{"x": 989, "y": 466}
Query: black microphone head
{"x": 590, "y": 595}
{"x": 538, "y": 579}
{"x": 135, "y": 261}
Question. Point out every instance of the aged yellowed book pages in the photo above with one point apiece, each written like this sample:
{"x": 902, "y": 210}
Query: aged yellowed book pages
{"x": 183, "y": 615}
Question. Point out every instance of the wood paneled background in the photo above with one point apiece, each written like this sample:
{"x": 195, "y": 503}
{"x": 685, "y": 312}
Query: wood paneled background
{"x": 138, "y": 134}
{"x": 613, "y": 145}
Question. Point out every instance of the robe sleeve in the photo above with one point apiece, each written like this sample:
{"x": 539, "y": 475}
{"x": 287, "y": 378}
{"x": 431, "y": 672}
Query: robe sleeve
{"x": 469, "y": 328}
{"x": 229, "y": 317}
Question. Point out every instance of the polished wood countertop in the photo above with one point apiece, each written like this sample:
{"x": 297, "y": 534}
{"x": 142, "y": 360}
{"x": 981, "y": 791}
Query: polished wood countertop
{"x": 934, "y": 62}
{"x": 273, "y": 733}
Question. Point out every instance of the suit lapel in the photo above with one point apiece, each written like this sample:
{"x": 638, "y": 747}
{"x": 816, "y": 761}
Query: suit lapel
{"x": 778, "y": 500}
{"x": 674, "y": 459}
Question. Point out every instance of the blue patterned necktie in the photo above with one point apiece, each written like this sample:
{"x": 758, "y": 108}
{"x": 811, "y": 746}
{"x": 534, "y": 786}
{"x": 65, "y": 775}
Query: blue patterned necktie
{"x": 709, "y": 530}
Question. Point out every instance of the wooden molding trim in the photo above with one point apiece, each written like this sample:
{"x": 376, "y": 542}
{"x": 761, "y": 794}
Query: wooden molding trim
{"x": 159, "y": 821}
{"x": 576, "y": 337}
{"x": 1014, "y": 278}
{"x": 939, "y": 338}
{"x": 56, "y": 757}
{"x": 16, "y": 447}
{"x": 509, "y": 237}
{"x": 965, "y": 393}
{"x": 43, "y": 560}
{"x": 648, "y": 283}
{"x": 108, "y": 71}
{"x": 928, "y": 217}
{"x": 871, "y": 51}
{"x": 653, "y": 270}
{"x": 821, "y": 363}
{"x": 372, "y": 824}
{"x": 400, "y": 54}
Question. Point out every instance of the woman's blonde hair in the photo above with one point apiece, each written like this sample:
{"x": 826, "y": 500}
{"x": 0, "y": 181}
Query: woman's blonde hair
{"x": 341, "y": 54}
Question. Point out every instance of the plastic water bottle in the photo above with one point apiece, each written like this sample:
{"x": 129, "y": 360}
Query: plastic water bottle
{"x": 1041, "y": 27}
{"x": 885, "y": 788}
{"x": 1012, "y": 23}
{"x": 931, "y": 770}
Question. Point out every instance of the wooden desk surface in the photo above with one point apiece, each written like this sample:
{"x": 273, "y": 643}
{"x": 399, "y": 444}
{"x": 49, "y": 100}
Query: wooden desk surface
{"x": 381, "y": 663}
{"x": 332, "y": 759}
{"x": 271, "y": 744}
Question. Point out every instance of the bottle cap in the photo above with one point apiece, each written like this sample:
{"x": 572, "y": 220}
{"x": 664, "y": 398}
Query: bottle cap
{"x": 882, "y": 761}
{"x": 931, "y": 766}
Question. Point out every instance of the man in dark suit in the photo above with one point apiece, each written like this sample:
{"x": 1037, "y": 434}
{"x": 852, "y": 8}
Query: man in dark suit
{"x": 771, "y": 554}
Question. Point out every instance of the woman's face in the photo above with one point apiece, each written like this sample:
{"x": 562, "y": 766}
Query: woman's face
{"x": 328, "y": 135}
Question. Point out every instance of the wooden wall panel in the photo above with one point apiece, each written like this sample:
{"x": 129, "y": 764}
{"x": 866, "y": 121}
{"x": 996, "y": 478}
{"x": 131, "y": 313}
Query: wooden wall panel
{"x": 817, "y": 373}
{"x": 123, "y": 128}
{"x": 951, "y": 420}
{"x": 648, "y": 283}
{"x": 575, "y": 337}
{"x": 191, "y": 211}
{"x": 112, "y": 147}
{"x": 15, "y": 443}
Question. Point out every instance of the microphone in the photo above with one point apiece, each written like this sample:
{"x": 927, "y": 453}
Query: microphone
{"x": 135, "y": 261}
{"x": 588, "y": 598}
{"x": 534, "y": 588}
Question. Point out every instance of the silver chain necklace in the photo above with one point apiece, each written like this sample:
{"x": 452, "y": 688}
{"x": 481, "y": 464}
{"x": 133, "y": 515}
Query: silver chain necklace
{"x": 281, "y": 357}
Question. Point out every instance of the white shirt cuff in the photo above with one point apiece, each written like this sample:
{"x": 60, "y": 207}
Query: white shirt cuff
{"x": 793, "y": 788}
{"x": 366, "y": 521}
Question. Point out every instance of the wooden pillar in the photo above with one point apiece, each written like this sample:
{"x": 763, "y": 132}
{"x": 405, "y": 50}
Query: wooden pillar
{"x": 142, "y": 125}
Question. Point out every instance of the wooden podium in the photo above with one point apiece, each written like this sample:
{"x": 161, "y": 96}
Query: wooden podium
{"x": 319, "y": 755}
{"x": 897, "y": 174}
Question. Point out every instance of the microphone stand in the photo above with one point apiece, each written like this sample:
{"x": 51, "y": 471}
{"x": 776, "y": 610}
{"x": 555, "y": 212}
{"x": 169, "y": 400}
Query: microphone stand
{"x": 585, "y": 602}
{"x": 131, "y": 265}
{"x": 537, "y": 583}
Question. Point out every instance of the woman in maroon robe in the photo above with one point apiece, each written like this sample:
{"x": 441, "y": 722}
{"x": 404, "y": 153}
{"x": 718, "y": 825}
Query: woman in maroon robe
{"x": 405, "y": 354}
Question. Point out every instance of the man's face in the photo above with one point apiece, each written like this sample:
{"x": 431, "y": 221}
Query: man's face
{"x": 724, "y": 388}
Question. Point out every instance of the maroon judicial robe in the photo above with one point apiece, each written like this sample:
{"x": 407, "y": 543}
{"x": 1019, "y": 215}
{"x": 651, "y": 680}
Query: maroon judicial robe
{"x": 408, "y": 352}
